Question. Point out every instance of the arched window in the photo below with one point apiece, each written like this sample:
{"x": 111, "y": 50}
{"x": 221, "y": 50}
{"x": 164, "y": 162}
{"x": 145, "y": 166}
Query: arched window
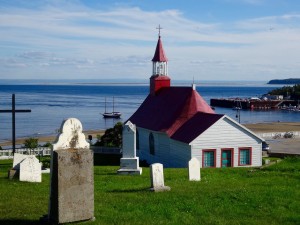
{"x": 137, "y": 139}
{"x": 151, "y": 144}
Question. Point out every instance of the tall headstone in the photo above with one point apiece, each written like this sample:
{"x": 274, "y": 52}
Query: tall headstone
{"x": 129, "y": 163}
{"x": 72, "y": 176}
{"x": 157, "y": 178}
{"x": 31, "y": 170}
{"x": 194, "y": 170}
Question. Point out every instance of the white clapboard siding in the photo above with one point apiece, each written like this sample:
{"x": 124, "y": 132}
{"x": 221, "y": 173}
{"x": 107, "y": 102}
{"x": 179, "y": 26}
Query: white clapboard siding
{"x": 227, "y": 134}
{"x": 160, "y": 145}
{"x": 180, "y": 154}
{"x": 168, "y": 152}
{"x": 143, "y": 150}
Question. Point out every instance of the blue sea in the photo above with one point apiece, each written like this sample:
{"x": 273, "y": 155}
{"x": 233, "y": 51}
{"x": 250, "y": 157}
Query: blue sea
{"x": 53, "y": 101}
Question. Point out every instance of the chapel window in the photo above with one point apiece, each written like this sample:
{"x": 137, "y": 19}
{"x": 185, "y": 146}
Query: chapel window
{"x": 209, "y": 158}
{"x": 151, "y": 144}
{"x": 245, "y": 156}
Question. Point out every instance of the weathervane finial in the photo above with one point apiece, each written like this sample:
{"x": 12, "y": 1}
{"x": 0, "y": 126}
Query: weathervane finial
{"x": 159, "y": 28}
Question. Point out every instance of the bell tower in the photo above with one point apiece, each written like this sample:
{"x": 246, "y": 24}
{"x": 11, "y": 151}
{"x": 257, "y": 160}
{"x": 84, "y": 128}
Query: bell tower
{"x": 159, "y": 78}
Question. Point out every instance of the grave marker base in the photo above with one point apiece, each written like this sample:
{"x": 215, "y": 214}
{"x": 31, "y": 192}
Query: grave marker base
{"x": 13, "y": 174}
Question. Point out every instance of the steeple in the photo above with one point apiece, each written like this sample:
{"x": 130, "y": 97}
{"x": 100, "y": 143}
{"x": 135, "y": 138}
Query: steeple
{"x": 159, "y": 76}
{"x": 160, "y": 61}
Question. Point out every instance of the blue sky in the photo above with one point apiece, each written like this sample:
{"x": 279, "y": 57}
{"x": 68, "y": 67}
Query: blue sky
{"x": 232, "y": 40}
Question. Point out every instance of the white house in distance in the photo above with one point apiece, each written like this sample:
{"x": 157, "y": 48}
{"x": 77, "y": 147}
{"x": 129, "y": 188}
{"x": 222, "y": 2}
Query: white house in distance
{"x": 175, "y": 124}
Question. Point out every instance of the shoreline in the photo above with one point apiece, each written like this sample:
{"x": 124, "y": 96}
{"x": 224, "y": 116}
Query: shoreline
{"x": 273, "y": 127}
{"x": 255, "y": 127}
{"x": 49, "y": 138}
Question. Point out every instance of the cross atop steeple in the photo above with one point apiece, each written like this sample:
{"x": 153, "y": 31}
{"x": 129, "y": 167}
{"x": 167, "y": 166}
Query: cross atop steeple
{"x": 159, "y": 28}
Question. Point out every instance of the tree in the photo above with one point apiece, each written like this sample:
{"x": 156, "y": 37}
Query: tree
{"x": 112, "y": 137}
{"x": 286, "y": 91}
{"x": 31, "y": 143}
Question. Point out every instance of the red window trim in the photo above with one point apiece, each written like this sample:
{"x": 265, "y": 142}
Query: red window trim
{"x": 232, "y": 155}
{"x": 215, "y": 158}
{"x": 250, "y": 155}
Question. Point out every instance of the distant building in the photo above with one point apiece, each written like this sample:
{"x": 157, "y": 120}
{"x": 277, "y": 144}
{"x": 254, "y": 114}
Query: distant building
{"x": 175, "y": 124}
{"x": 272, "y": 97}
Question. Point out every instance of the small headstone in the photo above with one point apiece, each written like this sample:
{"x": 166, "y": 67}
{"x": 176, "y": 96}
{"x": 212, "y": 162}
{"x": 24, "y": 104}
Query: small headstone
{"x": 72, "y": 176}
{"x": 129, "y": 163}
{"x": 194, "y": 170}
{"x": 267, "y": 161}
{"x": 26, "y": 168}
{"x": 18, "y": 158}
{"x": 157, "y": 178}
{"x": 30, "y": 170}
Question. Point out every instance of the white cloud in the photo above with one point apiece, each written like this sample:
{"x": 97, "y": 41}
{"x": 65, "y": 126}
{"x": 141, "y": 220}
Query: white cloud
{"x": 120, "y": 43}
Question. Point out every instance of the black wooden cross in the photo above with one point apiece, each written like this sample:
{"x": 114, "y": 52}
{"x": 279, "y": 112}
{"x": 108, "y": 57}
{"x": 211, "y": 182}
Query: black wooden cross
{"x": 159, "y": 28}
{"x": 13, "y": 111}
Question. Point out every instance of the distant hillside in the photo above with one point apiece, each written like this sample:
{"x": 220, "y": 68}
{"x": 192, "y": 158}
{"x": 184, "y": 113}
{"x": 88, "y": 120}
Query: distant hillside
{"x": 285, "y": 81}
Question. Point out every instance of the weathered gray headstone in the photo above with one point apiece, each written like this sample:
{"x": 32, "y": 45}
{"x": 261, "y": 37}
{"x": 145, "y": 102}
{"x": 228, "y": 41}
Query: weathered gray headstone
{"x": 72, "y": 176}
{"x": 157, "y": 178}
{"x": 31, "y": 170}
{"x": 194, "y": 170}
{"x": 129, "y": 163}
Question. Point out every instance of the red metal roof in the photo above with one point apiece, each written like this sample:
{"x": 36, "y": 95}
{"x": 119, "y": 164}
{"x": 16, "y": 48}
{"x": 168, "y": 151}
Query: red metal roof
{"x": 159, "y": 55}
{"x": 195, "y": 126}
{"x": 170, "y": 109}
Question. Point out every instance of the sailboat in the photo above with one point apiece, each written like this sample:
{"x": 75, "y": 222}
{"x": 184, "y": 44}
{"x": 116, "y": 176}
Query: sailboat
{"x": 112, "y": 114}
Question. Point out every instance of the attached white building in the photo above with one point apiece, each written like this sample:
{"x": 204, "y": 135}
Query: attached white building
{"x": 175, "y": 124}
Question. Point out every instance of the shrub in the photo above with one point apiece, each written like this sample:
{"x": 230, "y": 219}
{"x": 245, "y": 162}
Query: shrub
{"x": 112, "y": 137}
{"x": 31, "y": 143}
{"x": 48, "y": 144}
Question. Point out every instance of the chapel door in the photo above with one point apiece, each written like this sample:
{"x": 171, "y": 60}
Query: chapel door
{"x": 226, "y": 160}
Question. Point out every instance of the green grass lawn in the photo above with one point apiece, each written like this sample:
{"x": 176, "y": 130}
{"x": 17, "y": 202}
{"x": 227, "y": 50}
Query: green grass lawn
{"x": 223, "y": 196}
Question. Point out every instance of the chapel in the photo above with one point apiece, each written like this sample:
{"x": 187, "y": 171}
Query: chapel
{"x": 175, "y": 124}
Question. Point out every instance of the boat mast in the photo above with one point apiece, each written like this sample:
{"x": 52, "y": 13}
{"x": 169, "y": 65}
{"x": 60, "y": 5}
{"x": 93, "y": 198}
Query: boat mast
{"x": 113, "y": 104}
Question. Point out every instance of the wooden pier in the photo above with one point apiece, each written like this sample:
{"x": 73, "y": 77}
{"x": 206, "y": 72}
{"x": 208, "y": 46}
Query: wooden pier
{"x": 254, "y": 104}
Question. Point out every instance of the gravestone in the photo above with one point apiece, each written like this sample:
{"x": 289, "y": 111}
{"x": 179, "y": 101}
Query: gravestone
{"x": 157, "y": 178}
{"x": 18, "y": 158}
{"x": 194, "y": 170}
{"x": 31, "y": 170}
{"x": 72, "y": 176}
{"x": 129, "y": 163}
{"x": 14, "y": 172}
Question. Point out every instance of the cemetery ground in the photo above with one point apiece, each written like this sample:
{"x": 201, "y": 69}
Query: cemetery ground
{"x": 268, "y": 195}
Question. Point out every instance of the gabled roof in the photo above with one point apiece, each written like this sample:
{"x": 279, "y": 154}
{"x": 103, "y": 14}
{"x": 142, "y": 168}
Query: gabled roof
{"x": 195, "y": 126}
{"x": 159, "y": 55}
{"x": 169, "y": 109}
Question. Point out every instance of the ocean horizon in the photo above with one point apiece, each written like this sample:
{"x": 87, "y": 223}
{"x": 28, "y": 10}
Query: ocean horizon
{"x": 132, "y": 81}
{"x": 52, "y": 101}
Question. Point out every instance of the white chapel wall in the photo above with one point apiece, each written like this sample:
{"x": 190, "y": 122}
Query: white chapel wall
{"x": 168, "y": 152}
{"x": 225, "y": 134}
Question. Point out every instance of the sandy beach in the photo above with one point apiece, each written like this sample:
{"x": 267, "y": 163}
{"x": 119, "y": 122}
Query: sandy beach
{"x": 280, "y": 145}
{"x": 273, "y": 127}
{"x": 51, "y": 138}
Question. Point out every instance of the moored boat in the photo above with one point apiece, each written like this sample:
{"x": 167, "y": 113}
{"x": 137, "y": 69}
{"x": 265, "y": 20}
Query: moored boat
{"x": 112, "y": 114}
